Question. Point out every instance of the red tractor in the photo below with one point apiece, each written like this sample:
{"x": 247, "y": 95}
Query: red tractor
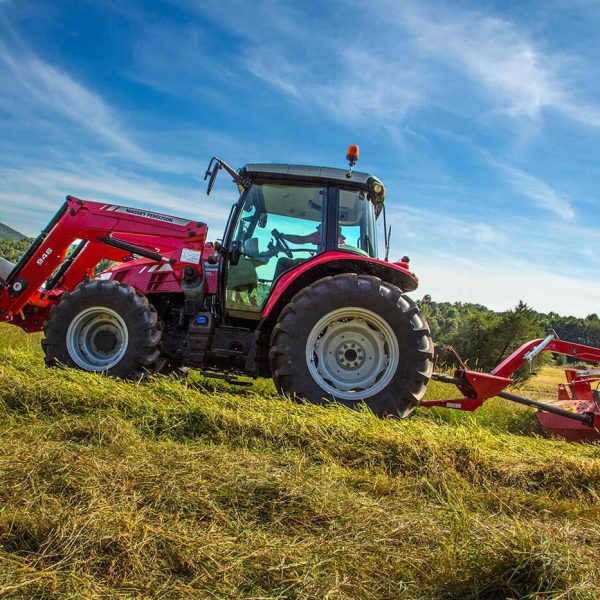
{"x": 294, "y": 290}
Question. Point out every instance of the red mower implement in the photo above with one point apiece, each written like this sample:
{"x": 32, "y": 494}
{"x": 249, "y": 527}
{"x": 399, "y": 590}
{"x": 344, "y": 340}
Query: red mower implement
{"x": 574, "y": 416}
{"x": 294, "y": 290}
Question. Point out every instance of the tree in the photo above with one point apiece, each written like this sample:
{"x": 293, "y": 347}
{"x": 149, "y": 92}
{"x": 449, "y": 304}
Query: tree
{"x": 484, "y": 338}
{"x": 13, "y": 250}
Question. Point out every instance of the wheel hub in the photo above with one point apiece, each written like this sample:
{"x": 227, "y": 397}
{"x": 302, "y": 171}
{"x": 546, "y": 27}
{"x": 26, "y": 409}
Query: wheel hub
{"x": 350, "y": 355}
{"x": 105, "y": 340}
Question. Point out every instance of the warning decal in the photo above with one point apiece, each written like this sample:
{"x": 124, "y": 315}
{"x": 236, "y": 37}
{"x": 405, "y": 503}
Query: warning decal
{"x": 191, "y": 256}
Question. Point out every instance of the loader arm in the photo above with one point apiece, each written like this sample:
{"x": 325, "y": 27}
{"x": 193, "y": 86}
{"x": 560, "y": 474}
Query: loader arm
{"x": 103, "y": 231}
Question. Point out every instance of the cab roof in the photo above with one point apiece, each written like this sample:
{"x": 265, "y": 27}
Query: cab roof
{"x": 342, "y": 177}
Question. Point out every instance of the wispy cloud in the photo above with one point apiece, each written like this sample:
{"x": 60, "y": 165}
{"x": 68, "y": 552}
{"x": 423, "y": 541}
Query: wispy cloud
{"x": 445, "y": 231}
{"x": 500, "y": 286}
{"x": 407, "y": 63}
{"x": 42, "y": 189}
{"x": 44, "y": 88}
{"x": 363, "y": 86}
{"x": 542, "y": 194}
{"x": 521, "y": 77}
{"x": 33, "y": 89}
{"x": 294, "y": 53}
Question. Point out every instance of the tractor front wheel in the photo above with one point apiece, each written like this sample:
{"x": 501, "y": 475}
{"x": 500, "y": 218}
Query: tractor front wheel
{"x": 104, "y": 326}
{"x": 355, "y": 340}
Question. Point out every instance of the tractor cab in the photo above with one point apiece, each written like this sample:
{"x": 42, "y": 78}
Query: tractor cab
{"x": 290, "y": 214}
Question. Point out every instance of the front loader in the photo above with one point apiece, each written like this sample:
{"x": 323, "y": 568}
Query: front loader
{"x": 294, "y": 290}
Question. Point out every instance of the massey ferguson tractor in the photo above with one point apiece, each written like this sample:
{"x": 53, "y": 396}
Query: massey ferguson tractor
{"x": 294, "y": 291}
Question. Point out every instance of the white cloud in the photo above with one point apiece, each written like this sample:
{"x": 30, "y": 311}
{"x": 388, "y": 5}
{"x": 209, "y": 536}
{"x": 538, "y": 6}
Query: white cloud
{"x": 363, "y": 85}
{"x": 500, "y": 260}
{"x": 413, "y": 51}
{"x": 520, "y": 78}
{"x": 46, "y": 101}
{"x": 311, "y": 62}
{"x": 32, "y": 89}
{"x": 43, "y": 87}
{"x": 542, "y": 194}
{"x": 499, "y": 285}
{"x": 487, "y": 234}
{"x": 402, "y": 57}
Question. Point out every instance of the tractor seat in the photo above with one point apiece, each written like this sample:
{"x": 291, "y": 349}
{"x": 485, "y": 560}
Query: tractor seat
{"x": 5, "y": 268}
{"x": 285, "y": 264}
{"x": 243, "y": 277}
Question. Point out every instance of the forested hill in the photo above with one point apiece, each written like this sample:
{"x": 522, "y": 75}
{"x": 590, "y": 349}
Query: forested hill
{"x": 12, "y": 243}
{"x": 11, "y": 249}
{"x": 485, "y": 337}
{"x": 8, "y": 233}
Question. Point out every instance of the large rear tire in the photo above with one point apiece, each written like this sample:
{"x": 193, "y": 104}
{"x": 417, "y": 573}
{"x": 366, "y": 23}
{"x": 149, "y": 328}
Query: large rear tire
{"x": 353, "y": 339}
{"x": 104, "y": 326}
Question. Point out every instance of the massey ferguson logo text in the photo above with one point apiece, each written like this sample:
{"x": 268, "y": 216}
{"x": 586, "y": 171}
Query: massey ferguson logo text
{"x": 47, "y": 253}
{"x": 136, "y": 212}
{"x": 149, "y": 215}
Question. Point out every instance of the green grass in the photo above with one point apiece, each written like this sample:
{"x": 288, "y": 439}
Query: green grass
{"x": 204, "y": 490}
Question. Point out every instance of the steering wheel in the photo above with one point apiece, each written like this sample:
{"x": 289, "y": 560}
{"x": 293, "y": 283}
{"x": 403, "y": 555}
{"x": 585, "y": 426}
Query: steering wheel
{"x": 282, "y": 244}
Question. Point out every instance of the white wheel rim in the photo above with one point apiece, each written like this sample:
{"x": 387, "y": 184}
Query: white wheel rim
{"x": 352, "y": 353}
{"x": 97, "y": 338}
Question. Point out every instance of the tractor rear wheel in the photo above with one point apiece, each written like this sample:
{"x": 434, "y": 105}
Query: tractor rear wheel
{"x": 104, "y": 326}
{"x": 353, "y": 339}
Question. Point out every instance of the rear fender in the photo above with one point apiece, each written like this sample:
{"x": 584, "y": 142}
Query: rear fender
{"x": 334, "y": 263}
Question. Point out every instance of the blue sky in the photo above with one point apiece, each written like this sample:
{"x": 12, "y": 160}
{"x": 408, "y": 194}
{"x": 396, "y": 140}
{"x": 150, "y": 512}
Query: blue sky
{"x": 482, "y": 118}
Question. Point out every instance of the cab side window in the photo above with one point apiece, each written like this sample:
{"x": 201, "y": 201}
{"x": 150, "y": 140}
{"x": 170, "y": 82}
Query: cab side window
{"x": 356, "y": 224}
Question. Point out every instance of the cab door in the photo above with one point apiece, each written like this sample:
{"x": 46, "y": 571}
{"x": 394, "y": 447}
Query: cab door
{"x": 278, "y": 228}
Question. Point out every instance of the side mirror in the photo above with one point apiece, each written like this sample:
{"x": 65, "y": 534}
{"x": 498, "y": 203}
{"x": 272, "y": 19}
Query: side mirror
{"x": 213, "y": 177}
{"x": 214, "y": 166}
{"x": 235, "y": 253}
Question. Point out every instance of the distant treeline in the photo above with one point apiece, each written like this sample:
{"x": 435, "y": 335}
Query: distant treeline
{"x": 484, "y": 337}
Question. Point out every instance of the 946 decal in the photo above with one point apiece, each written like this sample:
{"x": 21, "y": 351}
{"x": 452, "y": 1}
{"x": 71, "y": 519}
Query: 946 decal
{"x": 45, "y": 255}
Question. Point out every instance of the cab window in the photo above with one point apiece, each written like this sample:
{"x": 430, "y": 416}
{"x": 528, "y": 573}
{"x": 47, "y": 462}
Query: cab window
{"x": 356, "y": 218}
{"x": 279, "y": 228}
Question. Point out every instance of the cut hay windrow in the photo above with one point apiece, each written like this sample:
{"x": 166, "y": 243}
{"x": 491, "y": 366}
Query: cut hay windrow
{"x": 164, "y": 489}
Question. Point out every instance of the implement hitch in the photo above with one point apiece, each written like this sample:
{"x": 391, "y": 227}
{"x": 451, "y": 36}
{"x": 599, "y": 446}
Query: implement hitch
{"x": 575, "y": 415}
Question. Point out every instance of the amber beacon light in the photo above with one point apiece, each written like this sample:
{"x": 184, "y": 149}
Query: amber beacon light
{"x": 352, "y": 155}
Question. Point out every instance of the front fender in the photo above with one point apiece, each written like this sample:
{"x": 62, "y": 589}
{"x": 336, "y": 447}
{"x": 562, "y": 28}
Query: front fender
{"x": 333, "y": 263}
